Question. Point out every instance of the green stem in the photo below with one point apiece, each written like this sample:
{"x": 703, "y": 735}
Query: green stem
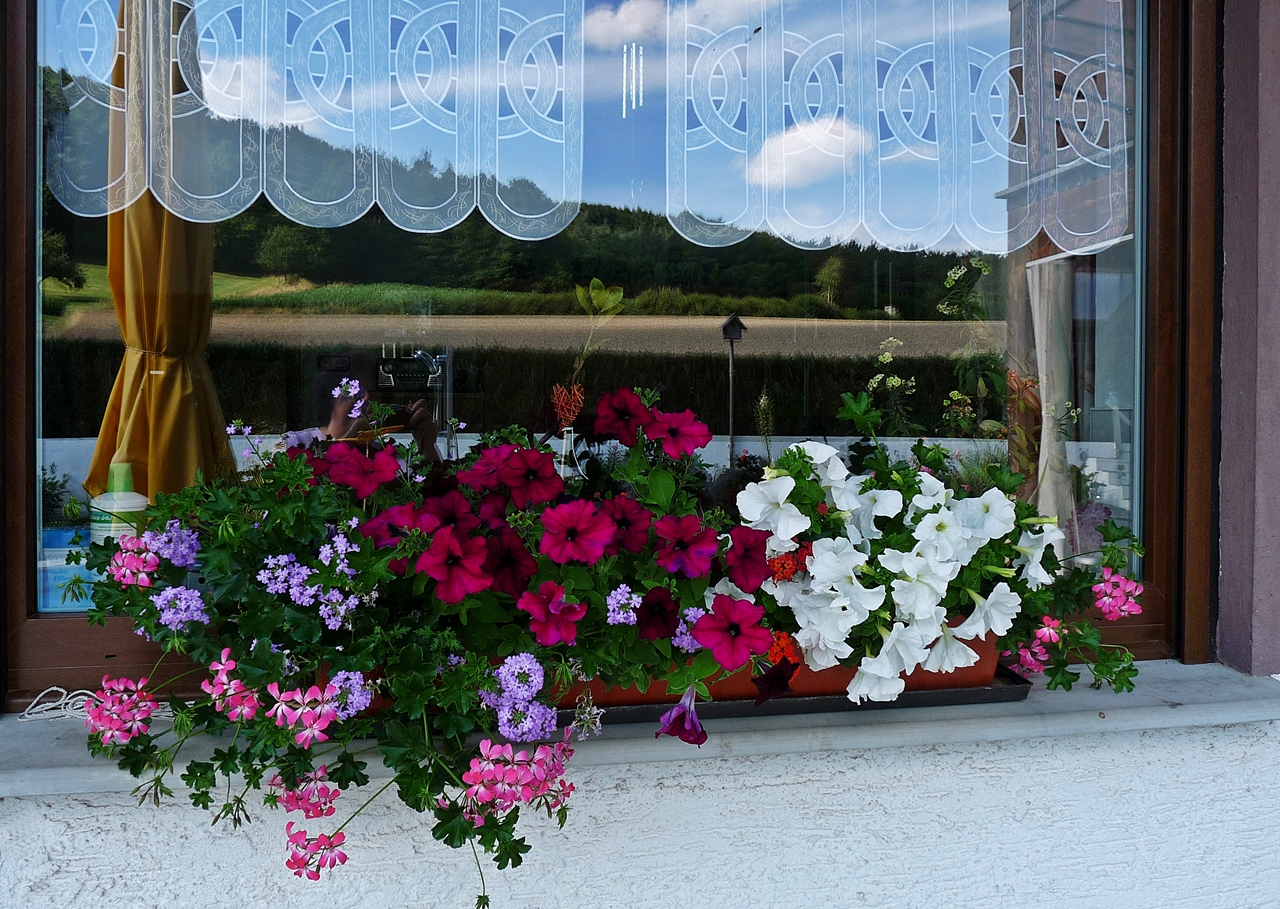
{"x": 367, "y": 802}
{"x": 479, "y": 868}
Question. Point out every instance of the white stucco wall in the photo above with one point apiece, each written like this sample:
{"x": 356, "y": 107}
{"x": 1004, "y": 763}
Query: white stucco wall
{"x": 1166, "y": 819}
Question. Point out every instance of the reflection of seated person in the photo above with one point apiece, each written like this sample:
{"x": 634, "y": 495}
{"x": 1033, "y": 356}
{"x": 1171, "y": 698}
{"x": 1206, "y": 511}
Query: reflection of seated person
{"x": 415, "y": 418}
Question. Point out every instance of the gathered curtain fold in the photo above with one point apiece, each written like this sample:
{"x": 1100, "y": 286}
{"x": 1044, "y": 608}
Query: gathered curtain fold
{"x": 163, "y": 417}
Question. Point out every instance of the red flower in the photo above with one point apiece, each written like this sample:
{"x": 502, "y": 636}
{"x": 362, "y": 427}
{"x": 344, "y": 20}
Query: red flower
{"x": 531, "y": 476}
{"x": 482, "y": 476}
{"x": 685, "y": 546}
{"x": 732, "y": 632}
{"x": 746, "y": 560}
{"x": 633, "y": 521}
{"x": 412, "y": 517}
{"x": 351, "y": 467}
{"x": 620, "y": 415}
{"x": 575, "y": 532}
{"x": 319, "y": 466}
{"x": 456, "y": 564}
{"x": 452, "y": 510}
{"x": 552, "y": 620}
{"x": 680, "y": 433}
{"x": 493, "y": 510}
{"x": 658, "y": 615}
{"x": 509, "y": 564}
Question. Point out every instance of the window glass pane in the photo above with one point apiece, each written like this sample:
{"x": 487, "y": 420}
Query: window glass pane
{"x": 934, "y": 202}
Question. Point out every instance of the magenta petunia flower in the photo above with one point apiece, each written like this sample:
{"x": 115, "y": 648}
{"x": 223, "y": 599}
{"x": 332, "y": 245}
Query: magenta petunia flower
{"x": 531, "y": 476}
{"x": 493, "y": 510}
{"x": 552, "y": 620}
{"x": 483, "y": 475}
{"x": 685, "y": 546}
{"x": 456, "y": 563}
{"x": 657, "y": 616}
{"x": 747, "y": 560}
{"x": 732, "y": 632}
{"x": 680, "y": 433}
{"x": 509, "y": 564}
{"x": 632, "y": 521}
{"x": 452, "y": 510}
{"x": 575, "y": 532}
{"x": 364, "y": 475}
{"x": 682, "y": 721}
{"x": 620, "y": 414}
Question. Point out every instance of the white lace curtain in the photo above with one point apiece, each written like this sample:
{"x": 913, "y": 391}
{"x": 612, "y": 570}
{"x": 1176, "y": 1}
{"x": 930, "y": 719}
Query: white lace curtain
{"x": 914, "y": 124}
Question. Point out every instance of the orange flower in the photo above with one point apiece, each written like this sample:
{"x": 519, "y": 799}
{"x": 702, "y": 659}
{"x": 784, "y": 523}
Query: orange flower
{"x": 783, "y": 646}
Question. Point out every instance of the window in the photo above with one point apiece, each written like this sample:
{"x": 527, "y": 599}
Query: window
{"x": 940, "y": 203}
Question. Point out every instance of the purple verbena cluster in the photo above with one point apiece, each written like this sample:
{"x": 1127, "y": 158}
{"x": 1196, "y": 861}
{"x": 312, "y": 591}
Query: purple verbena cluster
{"x": 175, "y": 543}
{"x": 335, "y": 608}
{"x": 520, "y": 717}
{"x": 337, "y": 549}
{"x": 283, "y": 575}
{"x": 683, "y": 637}
{"x": 178, "y": 606}
{"x": 622, "y": 604}
{"x": 354, "y": 693}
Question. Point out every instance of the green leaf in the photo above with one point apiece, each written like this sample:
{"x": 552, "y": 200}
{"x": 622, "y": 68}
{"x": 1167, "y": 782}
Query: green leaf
{"x": 662, "y": 487}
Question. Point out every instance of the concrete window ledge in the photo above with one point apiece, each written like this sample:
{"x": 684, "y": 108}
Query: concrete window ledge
{"x": 49, "y": 757}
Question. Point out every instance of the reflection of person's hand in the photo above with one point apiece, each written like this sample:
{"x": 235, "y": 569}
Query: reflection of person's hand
{"x": 341, "y": 424}
{"x": 424, "y": 429}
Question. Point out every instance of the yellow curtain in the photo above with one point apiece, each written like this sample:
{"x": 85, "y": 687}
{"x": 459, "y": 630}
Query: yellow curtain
{"x": 163, "y": 417}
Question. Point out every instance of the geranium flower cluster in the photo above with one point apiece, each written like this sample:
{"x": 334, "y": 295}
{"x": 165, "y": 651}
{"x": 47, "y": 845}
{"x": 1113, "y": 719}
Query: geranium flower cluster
{"x": 309, "y": 855}
{"x": 521, "y": 717}
{"x": 502, "y": 778}
{"x": 119, "y": 711}
{"x": 309, "y": 712}
{"x": 1116, "y": 596}
{"x": 134, "y": 563}
{"x": 314, "y": 797}
{"x": 230, "y": 696}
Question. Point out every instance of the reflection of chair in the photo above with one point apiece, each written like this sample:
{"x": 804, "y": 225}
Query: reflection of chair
{"x": 163, "y": 416}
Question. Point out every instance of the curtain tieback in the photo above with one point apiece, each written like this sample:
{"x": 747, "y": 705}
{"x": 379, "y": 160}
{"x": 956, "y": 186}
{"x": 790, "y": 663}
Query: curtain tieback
{"x": 156, "y": 353}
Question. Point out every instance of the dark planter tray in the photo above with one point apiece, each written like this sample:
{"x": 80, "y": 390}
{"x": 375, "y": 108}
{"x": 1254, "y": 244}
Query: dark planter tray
{"x": 1007, "y": 686}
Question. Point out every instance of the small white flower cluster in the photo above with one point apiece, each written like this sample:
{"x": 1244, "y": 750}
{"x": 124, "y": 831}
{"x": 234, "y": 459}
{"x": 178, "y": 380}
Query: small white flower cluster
{"x": 829, "y": 600}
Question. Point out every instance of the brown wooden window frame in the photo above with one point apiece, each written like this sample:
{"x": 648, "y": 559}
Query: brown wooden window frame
{"x": 1182, "y": 280}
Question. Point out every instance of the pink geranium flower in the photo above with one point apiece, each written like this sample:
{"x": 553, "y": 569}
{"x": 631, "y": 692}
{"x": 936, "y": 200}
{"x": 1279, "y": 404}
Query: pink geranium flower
{"x": 119, "y": 711}
{"x": 680, "y": 433}
{"x": 1050, "y": 630}
{"x": 632, "y": 521}
{"x": 531, "y": 476}
{"x": 308, "y": 855}
{"x": 732, "y": 632}
{"x": 684, "y": 545}
{"x": 620, "y": 415}
{"x": 456, "y": 563}
{"x": 575, "y": 532}
{"x": 134, "y": 563}
{"x": 552, "y": 620}
{"x": 747, "y": 559}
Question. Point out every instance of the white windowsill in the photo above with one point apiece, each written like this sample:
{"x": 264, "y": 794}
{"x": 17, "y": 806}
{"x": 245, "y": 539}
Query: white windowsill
{"x": 49, "y": 757}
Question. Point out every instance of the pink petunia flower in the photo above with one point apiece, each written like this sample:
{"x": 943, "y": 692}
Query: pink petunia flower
{"x": 620, "y": 415}
{"x": 509, "y": 563}
{"x": 552, "y": 620}
{"x": 747, "y": 560}
{"x": 575, "y": 532}
{"x": 364, "y": 475}
{"x": 456, "y": 563}
{"x": 732, "y": 632}
{"x": 482, "y": 476}
{"x": 632, "y": 521}
{"x": 680, "y": 433}
{"x": 452, "y": 510}
{"x": 685, "y": 546}
{"x": 531, "y": 476}
{"x": 682, "y": 721}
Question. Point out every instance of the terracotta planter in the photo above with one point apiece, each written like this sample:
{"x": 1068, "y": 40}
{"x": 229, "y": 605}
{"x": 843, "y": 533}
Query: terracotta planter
{"x": 805, "y": 683}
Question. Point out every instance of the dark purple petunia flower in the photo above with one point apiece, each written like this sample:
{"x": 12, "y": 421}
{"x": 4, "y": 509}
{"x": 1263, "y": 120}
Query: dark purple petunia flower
{"x": 776, "y": 682}
{"x": 658, "y": 615}
{"x": 682, "y": 721}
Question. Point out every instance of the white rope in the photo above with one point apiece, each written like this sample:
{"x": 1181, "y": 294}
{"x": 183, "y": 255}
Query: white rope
{"x": 56, "y": 703}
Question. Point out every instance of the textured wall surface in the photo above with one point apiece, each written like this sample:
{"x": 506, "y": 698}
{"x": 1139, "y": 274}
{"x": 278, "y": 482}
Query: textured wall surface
{"x": 1166, "y": 819}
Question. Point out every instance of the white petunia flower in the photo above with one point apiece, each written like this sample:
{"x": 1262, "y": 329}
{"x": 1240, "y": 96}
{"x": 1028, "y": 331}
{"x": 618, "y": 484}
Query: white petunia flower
{"x": 994, "y": 613}
{"x": 865, "y": 507}
{"x": 933, "y": 492}
{"x": 949, "y": 654}
{"x": 944, "y": 531}
{"x": 765, "y": 507}
{"x": 904, "y": 648}
{"x": 875, "y": 681}
{"x": 1031, "y": 547}
{"x": 824, "y": 623}
{"x": 990, "y": 516}
{"x": 833, "y": 561}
